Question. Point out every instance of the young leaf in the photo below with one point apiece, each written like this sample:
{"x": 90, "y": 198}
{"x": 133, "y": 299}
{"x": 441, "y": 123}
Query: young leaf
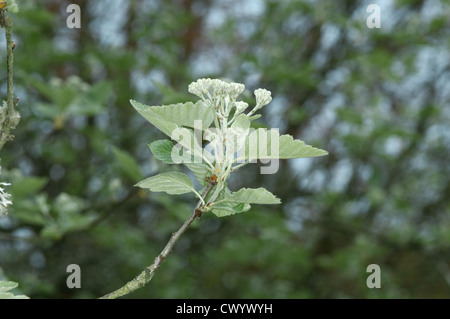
{"x": 265, "y": 144}
{"x": 222, "y": 209}
{"x": 253, "y": 196}
{"x": 182, "y": 135}
{"x": 173, "y": 183}
{"x": 227, "y": 209}
{"x": 241, "y": 123}
{"x": 162, "y": 150}
{"x": 186, "y": 138}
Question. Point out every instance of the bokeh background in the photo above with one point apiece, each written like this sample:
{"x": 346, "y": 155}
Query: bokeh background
{"x": 376, "y": 99}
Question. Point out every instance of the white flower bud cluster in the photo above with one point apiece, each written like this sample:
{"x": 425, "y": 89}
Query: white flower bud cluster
{"x": 241, "y": 106}
{"x": 221, "y": 96}
{"x": 263, "y": 97}
{"x": 211, "y": 88}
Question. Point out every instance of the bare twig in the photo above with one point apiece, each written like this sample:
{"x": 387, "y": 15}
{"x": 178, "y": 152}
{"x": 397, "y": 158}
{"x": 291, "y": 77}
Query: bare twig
{"x": 144, "y": 277}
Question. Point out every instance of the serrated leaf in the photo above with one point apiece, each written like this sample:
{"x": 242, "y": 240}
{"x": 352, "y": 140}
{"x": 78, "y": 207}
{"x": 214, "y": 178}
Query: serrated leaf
{"x": 128, "y": 165}
{"x": 150, "y": 115}
{"x": 181, "y": 114}
{"x": 182, "y": 135}
{"x": 185, "y": 114}
{"x": 268, "y": 144}
{"x": 173, "y": 183}
{"x": 253, "y": 196}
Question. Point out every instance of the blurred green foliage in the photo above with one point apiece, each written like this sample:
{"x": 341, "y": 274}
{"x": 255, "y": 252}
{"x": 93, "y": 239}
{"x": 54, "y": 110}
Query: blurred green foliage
{"x": 376, "y": 99}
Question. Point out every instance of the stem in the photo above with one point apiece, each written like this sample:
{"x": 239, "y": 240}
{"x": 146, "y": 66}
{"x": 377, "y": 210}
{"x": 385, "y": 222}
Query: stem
{"x": 10, "y": 62}
{"x": 200, "y": 197}
{"x": 144, "y": 277}
{"x": 10, "y": 117}
{"x": 235, "y": 168}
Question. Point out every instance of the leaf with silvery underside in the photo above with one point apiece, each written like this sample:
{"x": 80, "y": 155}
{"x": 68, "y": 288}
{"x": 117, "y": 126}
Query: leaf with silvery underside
{"x": 227, "y": 209}
{"x": 173, "y": 183}
{"x": 6, "y": 286}
{"x": 260, "y": 145}
{"x": 252, "y": 196}
{"x": 241, "y": 122}
{"x": 222, "y": 209}
{"x": 240, "y": 128}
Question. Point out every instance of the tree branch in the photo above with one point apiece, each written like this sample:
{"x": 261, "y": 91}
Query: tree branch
{"x": 144, "y": 277}
{"x": 9, "y": 117}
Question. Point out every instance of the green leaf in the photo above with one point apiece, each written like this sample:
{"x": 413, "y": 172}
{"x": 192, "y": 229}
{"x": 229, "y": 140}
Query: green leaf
{"x": 182, "y": 135}
{"x": 254, "y": 117}
{"x": 168, "y": 117}
{"x": 47, "y": 110}
{"x": 150, "y": 115}
{"x": 173, "y": 183}
{"x": 186, "y": 138}
{"x": 253, "y": 196}
{"x": 127, "y": 164}
{"x": 229, "y": 203}
{"x": 185, "y": 114}
{"x": 227, "y": 209}
{"x": 223, "y": 209}
{"x": 162, "y": 150}
{"x": 265, "y": 144}
{"x": 28, "y": 212}
{"x": 43, "y": 88}
{"x": 27, "y": 186}
{"x": 5, "y": 287}
{"x": 241, "y": 122}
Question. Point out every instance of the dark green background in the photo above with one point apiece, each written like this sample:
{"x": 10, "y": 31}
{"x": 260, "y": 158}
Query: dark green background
{"x": 376, "y": 99}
